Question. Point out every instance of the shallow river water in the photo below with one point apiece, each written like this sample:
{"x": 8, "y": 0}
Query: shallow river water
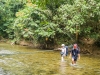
{"x": 21, "y": 60}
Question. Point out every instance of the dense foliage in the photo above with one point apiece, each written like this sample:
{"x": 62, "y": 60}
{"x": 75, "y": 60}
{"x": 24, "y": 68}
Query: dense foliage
{"x": 49, "y": 21}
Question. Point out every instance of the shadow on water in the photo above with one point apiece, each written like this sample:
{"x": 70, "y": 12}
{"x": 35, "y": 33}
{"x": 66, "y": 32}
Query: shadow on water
{"x": 19, "y": 60}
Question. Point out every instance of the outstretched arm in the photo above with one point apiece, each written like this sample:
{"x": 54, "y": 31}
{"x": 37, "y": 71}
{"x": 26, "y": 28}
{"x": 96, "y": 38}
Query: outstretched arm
{"x": 59, "y": 48}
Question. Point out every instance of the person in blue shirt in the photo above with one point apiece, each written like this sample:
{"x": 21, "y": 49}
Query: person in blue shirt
{"x": 75, "y": 54}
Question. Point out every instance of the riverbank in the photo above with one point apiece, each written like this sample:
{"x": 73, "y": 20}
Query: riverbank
{"x": 84, "y": 49}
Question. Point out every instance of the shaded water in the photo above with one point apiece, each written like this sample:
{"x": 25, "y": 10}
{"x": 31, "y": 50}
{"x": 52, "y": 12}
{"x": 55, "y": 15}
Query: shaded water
{"x": 19, "y": 60}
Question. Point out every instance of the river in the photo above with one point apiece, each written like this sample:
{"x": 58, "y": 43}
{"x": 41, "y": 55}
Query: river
{"x": 22, "y": 60}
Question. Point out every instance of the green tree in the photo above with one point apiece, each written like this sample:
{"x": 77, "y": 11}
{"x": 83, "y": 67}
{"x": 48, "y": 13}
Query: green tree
{"x": 72, "y": 18}
{"x": 8, "y": 9}
{"x": 49, "y": 21}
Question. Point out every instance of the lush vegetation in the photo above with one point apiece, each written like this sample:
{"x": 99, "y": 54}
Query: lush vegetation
{"x": 49, "y": 21}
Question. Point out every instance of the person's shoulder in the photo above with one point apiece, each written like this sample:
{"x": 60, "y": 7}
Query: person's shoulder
{"x": 78, "y": 50}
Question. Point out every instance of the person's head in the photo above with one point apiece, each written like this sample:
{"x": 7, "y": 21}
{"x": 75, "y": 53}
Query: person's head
{"x": 75, "y": 46}
{"x": 62, "y": 45}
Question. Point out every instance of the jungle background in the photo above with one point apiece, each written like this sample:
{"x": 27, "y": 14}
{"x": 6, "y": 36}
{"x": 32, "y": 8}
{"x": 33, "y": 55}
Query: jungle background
{"x": 46, "y": 24}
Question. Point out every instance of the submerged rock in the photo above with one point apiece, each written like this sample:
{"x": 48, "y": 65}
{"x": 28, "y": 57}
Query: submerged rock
{"x": 5, "y": 52}
{"x": 2, "y": 71}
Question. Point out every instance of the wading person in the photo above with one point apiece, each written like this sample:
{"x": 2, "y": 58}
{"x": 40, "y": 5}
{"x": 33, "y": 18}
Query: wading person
{"x": 64, "y": 51}
{"x": 75, "y": 54}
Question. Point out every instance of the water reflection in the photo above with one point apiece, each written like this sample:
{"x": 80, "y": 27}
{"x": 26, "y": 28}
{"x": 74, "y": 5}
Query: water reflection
{"x": 63, "y": 67}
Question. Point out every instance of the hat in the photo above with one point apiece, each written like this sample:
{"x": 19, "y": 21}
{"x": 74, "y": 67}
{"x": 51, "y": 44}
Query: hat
{"x": 63, "y": 45}
{"x": 75, "y": 46}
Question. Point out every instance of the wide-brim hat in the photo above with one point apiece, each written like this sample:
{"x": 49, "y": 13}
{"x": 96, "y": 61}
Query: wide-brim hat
{"x": 62, "y": 44}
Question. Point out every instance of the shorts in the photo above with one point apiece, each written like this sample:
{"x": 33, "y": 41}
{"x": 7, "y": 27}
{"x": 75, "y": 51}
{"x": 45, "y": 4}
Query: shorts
{"x": 62, "y": 53}
{"x": 75, "y": 58}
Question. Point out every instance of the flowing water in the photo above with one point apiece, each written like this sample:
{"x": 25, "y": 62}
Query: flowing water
{"x": 19, "y": 60}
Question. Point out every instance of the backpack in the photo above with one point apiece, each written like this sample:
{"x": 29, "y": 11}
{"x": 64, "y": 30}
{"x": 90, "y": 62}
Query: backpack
{"x": 66, "y": 50}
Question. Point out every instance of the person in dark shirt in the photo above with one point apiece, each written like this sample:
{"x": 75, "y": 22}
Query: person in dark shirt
{"x": 74, "y": 54}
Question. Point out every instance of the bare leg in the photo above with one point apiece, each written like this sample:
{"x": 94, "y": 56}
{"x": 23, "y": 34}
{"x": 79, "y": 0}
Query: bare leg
{"x": 72, "y": 61}
{"x": 62, "y": 58}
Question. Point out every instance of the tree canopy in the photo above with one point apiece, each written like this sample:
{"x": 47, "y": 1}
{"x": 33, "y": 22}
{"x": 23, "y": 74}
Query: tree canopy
{"x": 50, "y": 21}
